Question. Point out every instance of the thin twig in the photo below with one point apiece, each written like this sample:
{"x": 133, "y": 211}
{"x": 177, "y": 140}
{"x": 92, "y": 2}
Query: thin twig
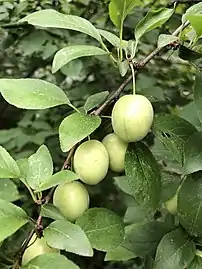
{"x": 138, "y": 66}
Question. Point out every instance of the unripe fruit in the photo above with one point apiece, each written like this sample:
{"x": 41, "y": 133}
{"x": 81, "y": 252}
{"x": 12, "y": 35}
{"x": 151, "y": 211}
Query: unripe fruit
{"x": 72, "y": 199}
{"x": 91, "y": 162}
{"x": 171, "y": 205}
{"x": 36, "y": 247}
{"x": 132, "y": 117}
{"x": 116, "y": 148}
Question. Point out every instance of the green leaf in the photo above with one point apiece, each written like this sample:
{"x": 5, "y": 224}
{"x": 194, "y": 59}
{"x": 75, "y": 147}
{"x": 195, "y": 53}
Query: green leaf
{"x": 190, "y": 204}
{"x": 164, "y": 40}
{"x": 8, "y": 190}
{"x": 123, "y": 185}
{"x": 173, "y": 132}
{"x": 193, "y": 154}
{"x": 56, "y": 179}
{"x": 188, "y": 54}
{"x": 23, "y": 166}
{"x": 75, "y": 128}
{"x": 103, "y": 228}
{"x": 119, "y": 10}
{"x": 111, "y": 38}
{"x": 196, "y": 22}
{"x": 176, "y": 250}
{"x": 50, "y": 261}
{"x": 198, "y": 94}
{"x": 12, "y": 218}
{"x": 193, "y": 10}
{"x": 143, "y": 238}
{"x": 123, "y": 67}
{"x": 67, "y": 236}
{"x": 95, "y": 100}
{"x": 143, "y": 176}
{"x": 66, "y": 55}
{"x": 196, "y": 263}
{"x": 170, "y": 185}
{"x": 8, "y": 166}
{"x": 40, "y": 167}
{"x": 32, "y": 93}
{"x": 119, "y": 253}
{"x": 52, "y": 212}
{"x": 54, "y": 19}
{"x": 152, "y": 20}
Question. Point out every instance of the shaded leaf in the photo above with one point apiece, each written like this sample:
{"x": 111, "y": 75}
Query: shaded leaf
{"x": 196, "y": 263}
{"x": 40, "y": 167}
{"x": 119, "y": 253}
{"x": 173, "y": 132}
{"x": 66, "y": 55}
{"x": 67, "y": 236}
{"x": 50, "y": 261}
{"x": 95, "y": 100}
{"x": 103, "y": 228}
{"x": 8, "y": 166}
{"x": 152, "y": 20}
{"x": 12, "y": 218}
{"x": 190, "y": 204}
{"x": 198, "y": 94}
{"x": 176, "y": 250}
{"x": 143, "y": 176}
{"x": 123, "y": 67}
{"x": 54, "y": 19}
{"x": 32, "y": 93}
{"x": 193, "y": 154}
{"x": 188, "y": 54}
{"x": 75, "y": 128}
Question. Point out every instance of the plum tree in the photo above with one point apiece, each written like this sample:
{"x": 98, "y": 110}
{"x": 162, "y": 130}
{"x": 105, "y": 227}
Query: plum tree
{"x": 132, "y": 117}
{"x": 72, "y": 199}
{"x": 116, "y": 148}
{"x": 91, "y": 162}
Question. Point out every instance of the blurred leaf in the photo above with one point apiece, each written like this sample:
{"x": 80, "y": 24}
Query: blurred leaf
{"x": 54, "y": 19}
{"x": 32, "y": 93}
{"x": 11, "y": 219}
{"x": 119, "y": 253}
{"x": 123, "y": 67}
{"x": 190, "y": 204}
{"x": 196, "y": 22}
{"x": 40, "y": 167}
{"x": 119, "y": 10}
{"x": 75, "y": 128}
{"x": 8, "y": 190}
{"x": 66, "y": 55}
{"x": 152, "y": 20}
{"x": 173, "y": 132}
{"x": 196, "y": 263}
{"x": 193, "y": 10}
{"x": 170, "y": 184}
{"x": 143, "y": 238}
{"x": 8, "y": 166}
{"x": 164, "y": 40}
{"x": 143, "y": 176}
{"x": 67, "y": 236}
{"x": 198, "y": 94}
{"x": 193, "y": 154}
{"x": 50, "y": 261}
{"x": 95, "y": 100}
{"x": 56, "y": 179}
{"x": 103, "y": 228}
{"x": 52, "y": 212}
{"x": 188, "y": 54}
{"x": 176, "y": 250}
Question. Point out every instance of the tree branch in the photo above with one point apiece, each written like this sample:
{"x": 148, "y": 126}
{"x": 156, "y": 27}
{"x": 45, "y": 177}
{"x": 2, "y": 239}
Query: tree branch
{"x": 138, "y": 66}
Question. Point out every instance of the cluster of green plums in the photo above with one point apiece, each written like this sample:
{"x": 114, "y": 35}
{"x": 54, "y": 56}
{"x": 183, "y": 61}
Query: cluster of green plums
{"x": 132, "y": 117}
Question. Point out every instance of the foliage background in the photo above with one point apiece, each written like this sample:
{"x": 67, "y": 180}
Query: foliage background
{"x": 28, "y": 52}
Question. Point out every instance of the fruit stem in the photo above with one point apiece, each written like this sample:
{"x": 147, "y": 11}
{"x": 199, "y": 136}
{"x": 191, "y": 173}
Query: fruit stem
{"x": 133, "y": 74}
